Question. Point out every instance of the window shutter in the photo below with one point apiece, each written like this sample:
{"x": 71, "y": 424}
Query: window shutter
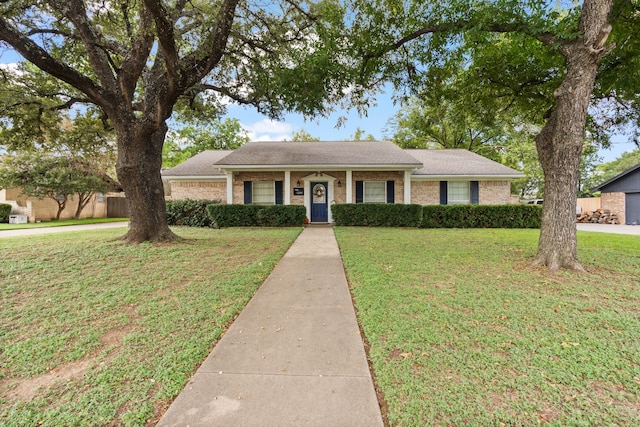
{"x": 248, "y": 198}
{"x": 391, "y": 192}
{"x": 279, "y": 192}
{"x": 443, "y": 192}
{"x": 359, "y": 191}
{"x": 475, "y": 193}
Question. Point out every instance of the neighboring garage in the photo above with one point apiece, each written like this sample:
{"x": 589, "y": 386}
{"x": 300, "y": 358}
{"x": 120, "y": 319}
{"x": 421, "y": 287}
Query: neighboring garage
{"x": 621, "y": 195}
{"x": 632, "y": 209}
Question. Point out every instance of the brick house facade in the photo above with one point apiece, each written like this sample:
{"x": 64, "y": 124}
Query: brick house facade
{"x": 318, "y": 174}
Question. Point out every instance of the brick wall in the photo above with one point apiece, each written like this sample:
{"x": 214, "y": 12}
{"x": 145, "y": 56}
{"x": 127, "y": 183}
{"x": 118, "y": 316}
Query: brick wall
{"x": 47, "y": 208}
{"x": 422, "y": 192}
{"x": 397, "y": 176}
{"x": 425, "y": 192}
{"x": 494, "y": 192}
{"x": 490, "y": 192}
{"x": 199, "y": 190}
{"x": 615, "y": 202}
{"x": 241, "y": 177}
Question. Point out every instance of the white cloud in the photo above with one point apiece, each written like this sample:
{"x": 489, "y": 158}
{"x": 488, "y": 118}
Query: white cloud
{"x": 13, "y": 68}
{"x": 269, "y": 130}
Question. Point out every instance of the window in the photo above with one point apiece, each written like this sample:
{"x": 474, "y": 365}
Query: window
{"x": 264, "y": 193}
{"x": 458, "y": 193}
{"x": 375, "y": 192}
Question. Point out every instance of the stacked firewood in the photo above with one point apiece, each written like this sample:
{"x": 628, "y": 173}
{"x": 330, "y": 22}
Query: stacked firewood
{"x": 599, "y": 216}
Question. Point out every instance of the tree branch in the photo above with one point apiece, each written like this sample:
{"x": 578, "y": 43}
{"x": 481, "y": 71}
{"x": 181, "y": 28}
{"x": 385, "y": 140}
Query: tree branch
{"x": 75, "y": 11}
{"x": 135, "y": 60}
{"x": 167, "y": 42}
{"x": 41, "y": 58}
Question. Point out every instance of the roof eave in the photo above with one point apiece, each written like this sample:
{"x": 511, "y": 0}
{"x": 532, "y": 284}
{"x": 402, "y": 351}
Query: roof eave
{"x": 617, "y": 177}
{"x": 194, "y": 177}
{"x": 324, "y": 167}
{"x": 451, "y": 176}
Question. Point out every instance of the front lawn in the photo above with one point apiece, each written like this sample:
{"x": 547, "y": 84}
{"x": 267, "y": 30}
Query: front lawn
{"x": 463, "y": 332}
{"x": 96, "y": 333}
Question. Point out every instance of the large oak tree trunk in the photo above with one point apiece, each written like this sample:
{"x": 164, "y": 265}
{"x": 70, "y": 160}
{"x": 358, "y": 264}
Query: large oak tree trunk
{"x": 138, "y": 168}
{"x": 560, "y": 142}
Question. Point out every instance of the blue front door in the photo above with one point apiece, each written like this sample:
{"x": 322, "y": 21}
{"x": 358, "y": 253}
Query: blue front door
{"x": 319, "y": 205}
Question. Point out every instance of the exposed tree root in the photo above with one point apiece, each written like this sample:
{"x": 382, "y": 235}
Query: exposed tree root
{"x": 135, "y": 238}
{"x": 554, "y": 264}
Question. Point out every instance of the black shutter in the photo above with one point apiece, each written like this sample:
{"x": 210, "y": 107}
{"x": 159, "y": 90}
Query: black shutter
{"x": 443, "y": 192}
{"x": 391, "y": 196}
{"x": 359, "y": 191}
{"x": 279, "y": 192}
{"x": 248, "y": 197}
{"x": 475, "y": 193}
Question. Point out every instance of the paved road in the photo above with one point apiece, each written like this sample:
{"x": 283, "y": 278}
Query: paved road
{"x": 62, "y": 229}
{"x": 610, "y": 228}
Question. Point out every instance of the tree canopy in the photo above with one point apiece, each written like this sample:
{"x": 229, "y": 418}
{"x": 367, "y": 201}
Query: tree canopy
{"x": 54, "y": 177}
{"x": 554, "y": 65}
{"x": 190, "y": 140}
{"x": 139, "y": 62}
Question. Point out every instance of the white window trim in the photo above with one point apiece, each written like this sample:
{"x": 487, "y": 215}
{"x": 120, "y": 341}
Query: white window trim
{"x": 253, "y": 193}
{"x": 451, "y": 201}
{"x": 364, "y": 191}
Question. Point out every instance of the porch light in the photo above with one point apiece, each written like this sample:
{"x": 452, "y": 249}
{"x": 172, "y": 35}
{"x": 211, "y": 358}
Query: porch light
{"x": 298, "y": 183}
{"x": 339, "y": 183}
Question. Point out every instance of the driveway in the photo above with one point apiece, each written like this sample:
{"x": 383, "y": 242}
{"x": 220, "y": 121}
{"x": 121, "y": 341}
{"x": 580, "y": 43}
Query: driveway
{"x": 61, "y": 229}
{"x": 610, "y": 228}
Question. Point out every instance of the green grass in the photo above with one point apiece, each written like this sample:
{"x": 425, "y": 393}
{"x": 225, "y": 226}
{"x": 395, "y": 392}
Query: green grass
{"x": 94, "y": 332}
{"x": 61, "y": 223}
{"x": 462, "y": 331}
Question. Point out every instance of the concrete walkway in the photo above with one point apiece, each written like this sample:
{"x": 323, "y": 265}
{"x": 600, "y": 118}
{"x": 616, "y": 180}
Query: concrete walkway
{"x": 294, "y": 356}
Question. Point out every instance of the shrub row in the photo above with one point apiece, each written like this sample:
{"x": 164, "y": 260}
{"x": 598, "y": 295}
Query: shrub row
{"x": 481, "y": 216}
{"x": 257, "y": 215}
{"x": 192, "y": 213}
{"x": 377, "y": 215}
{"x": 438, "y": 216}
{"x": 209, "y": 213}
{"x": 5, "y": 211}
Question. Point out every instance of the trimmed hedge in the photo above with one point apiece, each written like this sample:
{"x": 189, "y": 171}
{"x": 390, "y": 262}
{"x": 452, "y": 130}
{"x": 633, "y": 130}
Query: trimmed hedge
{"x": 189, "y": 212}
{"x": 377, "y": 215}
{"x": 481, "y": 216}
{"x": 257, "y": 215}
{"x": 5, "y": 211}
{"x": 438, "y": 216}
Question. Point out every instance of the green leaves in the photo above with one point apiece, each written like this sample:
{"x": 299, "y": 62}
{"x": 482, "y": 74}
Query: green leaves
{"x": 185, "y": 143}
{"x": 55, "y": 177}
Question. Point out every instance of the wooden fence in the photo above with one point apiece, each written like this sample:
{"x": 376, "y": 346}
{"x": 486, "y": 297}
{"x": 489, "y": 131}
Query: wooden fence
{"x": 589, "y": 204}
{"x": 117, "y": 207}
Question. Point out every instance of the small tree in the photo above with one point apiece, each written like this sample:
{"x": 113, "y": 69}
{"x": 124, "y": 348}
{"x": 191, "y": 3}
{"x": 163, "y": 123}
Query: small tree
{"x": 54, "y": 177}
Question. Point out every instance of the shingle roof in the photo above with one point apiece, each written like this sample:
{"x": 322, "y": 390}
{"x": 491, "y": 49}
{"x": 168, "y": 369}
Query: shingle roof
{"x": 199, "y": 165}
{"x": 430, "y": 163}
{"x": 617, "y": 177}
{"x": 336, "y": 153}
{"x": 459, "y": 162}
